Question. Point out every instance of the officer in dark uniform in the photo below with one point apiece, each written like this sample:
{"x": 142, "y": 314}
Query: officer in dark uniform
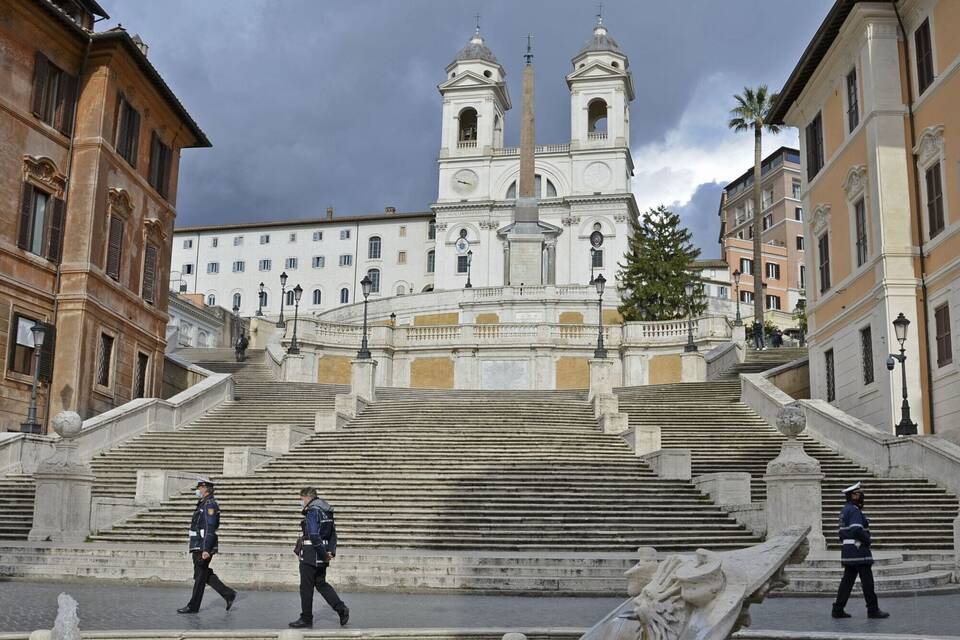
{"x": 855, "y": 555}
{"x": 316, "y": 547}
{"x": 203, "y": 546}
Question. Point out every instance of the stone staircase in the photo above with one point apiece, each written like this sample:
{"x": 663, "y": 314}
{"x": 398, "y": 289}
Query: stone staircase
{"x": 464, "y": 470}
{"x": 16, "y": 507}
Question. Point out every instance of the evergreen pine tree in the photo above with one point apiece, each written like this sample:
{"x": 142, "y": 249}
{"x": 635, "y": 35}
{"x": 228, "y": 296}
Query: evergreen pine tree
{"x": 656, "y": 268}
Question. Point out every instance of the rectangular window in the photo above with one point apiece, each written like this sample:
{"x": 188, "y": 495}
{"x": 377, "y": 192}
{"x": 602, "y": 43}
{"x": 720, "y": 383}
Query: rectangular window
{"x": 767, "y": 221}
{"x": 799, "y": 243}
{"x": 431, "y": 261}
{"x": 750, "y": 232}
{"x": 213, "y": 267}
{"x": 160, "y": 162}
{"x": 924, "y": 51}
{"x": 823, "y": 257}
{"x": 740, "y": 234}
{"x": 265, "y": 265}
{"x": 860, "y": 227}
{"x": 214, "y": 242}
{"x": 853, "y": 104}
{"x": 20, "y": 359}
{"x": 746, "y": 296}
{"x": 128, "y": 131}
{"x": 143, "y": 368}
{"x": 814, "y": 139}
{"x": 403, "y": 231}
{"x": 346, "y": 260}
{"x": 803, "y": 277}
{"x": 461, "y": 264}
{"x": 746, "y": 266}
{"x": 798, "y": 213}
{"x": 317, "y": 236}
{"x": 941, "y": 317}
{"x": 432, "y": 230}
{"x": 597, "y": 259}
{"x": 293, "y": 237}
{"x": 115, "y": 248}
{"x": 41, "y": 223}
{"x": 237, "y": 241}
{"x": 934, "y": 199}
{"x": 188, "y": 244}
{"x": 831, "y": 383}
{"x": 767, "y": 198}
{"x": 54, "y": 94}
{"x": 773, "y": 271}
{"x": 319, "y": 262}
{"x": 291, "y": 263}
{"x": 149, "y": 286}
{"x": 796, "y": 190}
{"x": 344, "y": 234}
{"x": 104, "y": 360}
{"x": 401, "y": 257}
{"x": 265, "y": 238}
{"x": 866, "y": 354}
{"x": 773, "y": 302}
{"x": 239, "y": 266}
{"x": 722, "y": 292}
{"x": 186, "y": 269}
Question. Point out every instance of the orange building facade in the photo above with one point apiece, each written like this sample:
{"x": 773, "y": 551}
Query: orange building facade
{"x": 876, "y": 97}
{"x": 91, "y": 139}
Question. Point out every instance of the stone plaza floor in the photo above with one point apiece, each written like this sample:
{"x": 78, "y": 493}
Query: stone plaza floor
{"x": 26, "y": 606}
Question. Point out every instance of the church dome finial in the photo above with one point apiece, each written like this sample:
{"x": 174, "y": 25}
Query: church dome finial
{"x": 476, "y": 48}
{"x": 601, "y": 40}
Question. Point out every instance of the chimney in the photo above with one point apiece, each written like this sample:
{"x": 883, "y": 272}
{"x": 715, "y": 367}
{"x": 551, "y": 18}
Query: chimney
{"x": 137, "y": 40}
{"x": 329, "y": 213}
{"x": 390, "y": 210}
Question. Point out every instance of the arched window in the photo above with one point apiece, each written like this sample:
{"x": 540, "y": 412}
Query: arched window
{"x": 431, "y": 261}
{"x": 497, "y": 130}
{"x": 468, "y": 125}
{"x": 344, "y": 295}
{"x": 211, "y": 300}
{"x": 236, "y": 300}
{"x": 597, "y": 117}
{"x": 317, "y": 296}
{"x": 374, "y": 275}
{"x": 400, "y": 290}
{"x": 291, "y": 298}
{"x": 373, "y": 248}
{"x": 542, "y": 188}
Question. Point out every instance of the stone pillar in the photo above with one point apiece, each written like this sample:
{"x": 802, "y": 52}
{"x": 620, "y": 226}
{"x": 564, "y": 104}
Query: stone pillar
{"x": 281, "y": 438}
{"x": 793, "y": 483}
{"x": 693, "y": 367}
{"x": 551, "y": 246}
{"x": 61, "y": 508}
{"x": 363, "y": 379}
{"x": 293, "y": 368}
{"x": 726, "y": 488}
{"x": 670, "y": 464}
{"x": 740, "y": 339}
{"x": 601, "y": 377}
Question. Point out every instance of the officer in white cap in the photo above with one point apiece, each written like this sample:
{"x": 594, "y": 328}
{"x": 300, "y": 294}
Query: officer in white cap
{"x": 855, "y": 555}
{"x": 203, "y": 546}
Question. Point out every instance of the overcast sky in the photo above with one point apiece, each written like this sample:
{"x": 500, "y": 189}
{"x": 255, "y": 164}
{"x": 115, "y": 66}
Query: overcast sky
{"x": 313, "y": 103}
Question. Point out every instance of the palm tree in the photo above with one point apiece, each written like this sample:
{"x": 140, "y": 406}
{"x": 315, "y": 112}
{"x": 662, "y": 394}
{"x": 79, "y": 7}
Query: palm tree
{"x": 752, "y": 112}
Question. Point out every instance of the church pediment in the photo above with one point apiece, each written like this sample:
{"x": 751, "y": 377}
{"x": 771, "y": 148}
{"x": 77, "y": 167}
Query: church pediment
{"x": 597, "y": 70}
{"x": 467, "y": 79}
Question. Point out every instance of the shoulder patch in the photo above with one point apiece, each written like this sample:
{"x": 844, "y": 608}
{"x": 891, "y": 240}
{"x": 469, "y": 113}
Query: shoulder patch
{"x": 211, "y": 511}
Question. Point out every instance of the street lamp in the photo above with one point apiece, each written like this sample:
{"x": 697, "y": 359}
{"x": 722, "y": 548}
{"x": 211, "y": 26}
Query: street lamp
{"x": 736, "y": 284}
{"x": 593, "y": 252}
{"x": 31, "y": 425}
{"x": 469, "y": 262}
{"x": 365, "y": 284}
{"x": 690, "y": 346}
{"x": 260, "y": 301}
{"x": 906, "y": 427}
{"x": 283, "y": 290}
{"x": 599, "y": 282}
{"x": 294, "y": 348}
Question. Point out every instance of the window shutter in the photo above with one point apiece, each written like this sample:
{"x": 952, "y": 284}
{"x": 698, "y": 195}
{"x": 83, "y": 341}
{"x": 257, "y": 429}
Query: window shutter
{"x": 134, "y": 137}
{"x": 57, "y": 219}
{"x": 121, "y": 137}
{"x": 149, "y": 273}
{"x": 26, "y": 215}
{"x": 113, "y": 247}
{"x": 155, "y": 155}
{"x": 46, "y": 353}
{"x": 41, "y": 64}
{"x": 68, "y": 96}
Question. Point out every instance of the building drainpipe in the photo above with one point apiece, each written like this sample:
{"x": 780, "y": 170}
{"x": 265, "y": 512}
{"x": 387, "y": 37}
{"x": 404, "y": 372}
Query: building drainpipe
{"x": 928, "y": 369}
{"x": 66, "y": 200}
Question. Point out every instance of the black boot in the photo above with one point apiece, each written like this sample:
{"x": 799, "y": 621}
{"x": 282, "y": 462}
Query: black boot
{"x": 186, "y": 609}
{"x": 344, "y": 615}
{"x": 878, "y": 614}
{"x": 838, "y": 612}
{"x": 300, "y": 623}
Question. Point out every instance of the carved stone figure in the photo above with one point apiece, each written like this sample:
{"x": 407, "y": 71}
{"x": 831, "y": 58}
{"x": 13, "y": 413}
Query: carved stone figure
{"x": 703, "y": 596}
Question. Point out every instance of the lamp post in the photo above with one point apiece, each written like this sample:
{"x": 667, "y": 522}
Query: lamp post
{"x": 738, "y": 321}
{"x": 283, "y": 290}
{"x": 31, "y": 425}
{"x": 593, "y": 251}
{"x": 906, "y": 427}
{"x": 469, "y": 262}
{"x": 260, "y": 301}
{"x": 690, "y": 346}
{"x": 599, "y": 283}
{"x": 365, "y": 284}
{"x": 294, "y": 347}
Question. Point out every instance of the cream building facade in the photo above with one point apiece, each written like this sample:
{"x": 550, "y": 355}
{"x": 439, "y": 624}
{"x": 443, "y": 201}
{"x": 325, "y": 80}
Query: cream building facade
{"x": 876, "y": 98}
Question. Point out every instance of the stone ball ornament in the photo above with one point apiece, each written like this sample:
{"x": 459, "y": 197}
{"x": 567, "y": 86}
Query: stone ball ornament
{"x": 67, "y": 424}
{"x": 791, "y": 421}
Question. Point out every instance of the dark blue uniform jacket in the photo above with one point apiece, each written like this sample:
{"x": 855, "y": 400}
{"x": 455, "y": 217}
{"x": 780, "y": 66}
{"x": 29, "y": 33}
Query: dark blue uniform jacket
{"x": 203, "y": 526}
{"x": 319, "y": 533}
{"x": 854, "y": 536}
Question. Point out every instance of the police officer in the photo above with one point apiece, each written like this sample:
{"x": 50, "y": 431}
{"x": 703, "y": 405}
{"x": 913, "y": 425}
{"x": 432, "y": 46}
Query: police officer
{"x": 316, "y": 547}
{"x": 855, "y": 555}
{"x": 203, "y": 546}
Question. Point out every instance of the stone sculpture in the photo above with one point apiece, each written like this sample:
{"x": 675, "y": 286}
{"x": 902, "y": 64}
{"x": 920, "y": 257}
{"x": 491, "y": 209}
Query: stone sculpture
{"x": 703, "y": 596}
{"x": 67, "y": 624}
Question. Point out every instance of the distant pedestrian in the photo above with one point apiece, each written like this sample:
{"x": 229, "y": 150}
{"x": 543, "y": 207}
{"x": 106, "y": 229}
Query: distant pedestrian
{"x": 316, "y": 548}
{"x": 758, "y": 342}
{"x": 241, "y": 347}
{"x": 855, "y": 555}
{"x": 777, "y": 338}
{"x": 203, "y": 546}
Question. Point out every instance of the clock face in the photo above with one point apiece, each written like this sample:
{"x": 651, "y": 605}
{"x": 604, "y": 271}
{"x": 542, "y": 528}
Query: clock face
{"x": 597, "y": 174}
{"x": 465, "y": 181}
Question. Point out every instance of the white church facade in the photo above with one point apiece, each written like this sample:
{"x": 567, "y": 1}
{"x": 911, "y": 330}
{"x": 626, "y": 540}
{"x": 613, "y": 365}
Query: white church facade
{"x": 580, "y": 187}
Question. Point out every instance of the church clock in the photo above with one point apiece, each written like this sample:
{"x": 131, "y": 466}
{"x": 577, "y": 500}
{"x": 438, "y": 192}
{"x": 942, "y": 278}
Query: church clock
{"x": 465, "y": 181}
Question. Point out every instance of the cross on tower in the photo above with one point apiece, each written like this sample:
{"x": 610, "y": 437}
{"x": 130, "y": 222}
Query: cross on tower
{"x": 529, "y": 54}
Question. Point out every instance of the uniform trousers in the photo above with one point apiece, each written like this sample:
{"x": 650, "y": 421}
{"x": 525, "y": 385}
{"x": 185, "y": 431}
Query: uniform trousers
{"x": 850, "y": 573}
{"x": 313, "y": 577}
{"x": 203, "y": 575}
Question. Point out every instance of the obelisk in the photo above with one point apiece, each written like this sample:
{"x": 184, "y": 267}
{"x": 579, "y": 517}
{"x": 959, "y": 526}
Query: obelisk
{"x": 526, "y": 237}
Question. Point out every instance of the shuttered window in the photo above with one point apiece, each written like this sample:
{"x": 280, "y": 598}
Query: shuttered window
{"x": 160, "y": 156}
{"x": 860, "y": 226}
{"x": 924, "y": 52}
{"x": 41, "y": 223}
{"x": 934, "y": 199}
{"x": 114, "y": 247}
{"x": 54, "y": 94}
{"x": 140, "y": 383}
{"x": 128, "y": 131}
{"x": 149, "y": 273}
{"x": 105, "y": 360}
{"x": 823, "y": 256}
{"x": 853, "y": 102}
{"x": 830, "y": 379}
{"x": 866, "y": 354}
{"x": 944, "y": 342}
{"x": 814, "y": 140}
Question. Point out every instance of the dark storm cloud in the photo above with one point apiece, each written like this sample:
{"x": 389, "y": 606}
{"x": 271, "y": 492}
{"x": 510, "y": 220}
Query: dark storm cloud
{"x": 700, "y": 216}
{"x": 310, "y": 104}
